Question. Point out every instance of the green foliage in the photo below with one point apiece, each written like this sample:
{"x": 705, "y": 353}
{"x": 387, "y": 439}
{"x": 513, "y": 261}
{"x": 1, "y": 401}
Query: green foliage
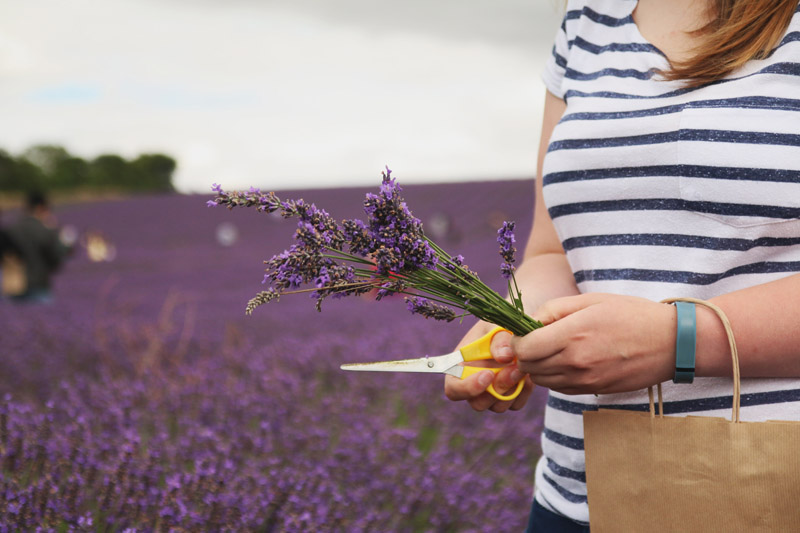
{"x": 52, "y": 167}
{"x": 154, "y": 171}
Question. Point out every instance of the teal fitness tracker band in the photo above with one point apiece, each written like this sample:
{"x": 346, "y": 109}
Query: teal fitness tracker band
{"x": 685, "y": 342}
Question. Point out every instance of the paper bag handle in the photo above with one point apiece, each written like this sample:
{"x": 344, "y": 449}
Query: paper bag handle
{"x": 734, "y": 356}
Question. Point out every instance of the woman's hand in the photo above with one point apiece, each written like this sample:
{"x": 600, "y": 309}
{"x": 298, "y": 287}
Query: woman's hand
{"x": 599, "y": 343}
{"x": 473, "y": 389}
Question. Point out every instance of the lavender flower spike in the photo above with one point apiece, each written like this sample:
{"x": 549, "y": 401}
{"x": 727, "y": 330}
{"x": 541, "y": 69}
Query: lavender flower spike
{"x": 428, "y": 309}
{"x": 506, "y": 239}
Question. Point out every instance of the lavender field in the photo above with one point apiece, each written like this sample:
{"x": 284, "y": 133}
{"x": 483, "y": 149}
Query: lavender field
{"x": 143, "y": 398}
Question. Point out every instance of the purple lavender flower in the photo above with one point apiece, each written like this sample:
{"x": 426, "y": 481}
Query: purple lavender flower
{"x": 388, "y": 253}
{"x": 359, "y": 240}
{"x": 506, "y": 239}
{"x": 323, "y": 278}
{"x": 268, "y": 203}
{"x": 389, "y": 288}
{"x": 428, "y": 309}
{"x": 395, "y": 231}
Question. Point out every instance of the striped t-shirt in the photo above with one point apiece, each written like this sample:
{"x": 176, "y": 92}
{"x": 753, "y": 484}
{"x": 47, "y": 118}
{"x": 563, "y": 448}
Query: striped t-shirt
{"x": 660, "y": 191}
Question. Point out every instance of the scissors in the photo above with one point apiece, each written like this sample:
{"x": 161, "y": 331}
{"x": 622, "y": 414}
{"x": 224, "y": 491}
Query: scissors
{"x": 450, "y": 363}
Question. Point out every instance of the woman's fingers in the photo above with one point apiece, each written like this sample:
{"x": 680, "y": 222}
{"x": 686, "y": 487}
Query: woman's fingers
{"x": 558, "y": 308}
{"x": 506, "y": 382}
{"x": 501, "y": 348}
{"x": 473, "y": 390}
{"x": 467, "y": 389}
{"x": 536, "y": 350}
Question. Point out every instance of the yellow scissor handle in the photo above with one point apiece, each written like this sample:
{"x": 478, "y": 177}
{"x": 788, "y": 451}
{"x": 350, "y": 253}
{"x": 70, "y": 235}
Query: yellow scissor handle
{"x": 470, "y": 370}
{"x": 479, "y": 350}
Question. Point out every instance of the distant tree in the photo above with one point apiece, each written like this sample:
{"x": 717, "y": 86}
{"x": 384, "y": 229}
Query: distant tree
{"x": 48, "y": 167}
{"x": 70, "y": 173}
{"x": 19, "y": 174}
{"x": 110, "y": 171}
{"x": 47, "y": 157}
{"x": 31, "y": 176}
{"x": 9, "y": 179}
{"x": 155, "y": 171}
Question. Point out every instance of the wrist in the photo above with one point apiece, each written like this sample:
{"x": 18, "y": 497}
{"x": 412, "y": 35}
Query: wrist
{"x": 685, "y": 342}
{"x": 713, "y": 354}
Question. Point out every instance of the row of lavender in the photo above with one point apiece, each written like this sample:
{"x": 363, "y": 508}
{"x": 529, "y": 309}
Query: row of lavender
{"x": 144, "y": 399}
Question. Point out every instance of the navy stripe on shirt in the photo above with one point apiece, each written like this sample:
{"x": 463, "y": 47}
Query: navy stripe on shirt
{"x": 612, "y": 72}
{"x": 596, "y": 49}
{"x": 784, "y": 68}
{"x": 685, "y": 277}
{"x": 605, "y": 20}
{"x": 699, "y": 135}
{"x": 561, "y": 61}
{"x": 687, "y": 171}
{"x": 676, "y": 241}
{"x": 564, "y": 440}
{"x": 791, "y": 37}
{"x": 565, "y": 472}
{"x": 676, "y": 204}
{"x": 569, "y": 496}
{"x": 744, "y": 102}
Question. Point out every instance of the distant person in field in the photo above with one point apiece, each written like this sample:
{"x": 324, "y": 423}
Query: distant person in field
{"x": 7, "y": 248}
{"x": 38, "y": 249}
{"x": 5, "y": 240}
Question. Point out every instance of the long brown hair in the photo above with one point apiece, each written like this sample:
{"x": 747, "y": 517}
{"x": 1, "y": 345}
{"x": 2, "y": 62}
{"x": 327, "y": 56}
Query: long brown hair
{"x": 738, "y": 32}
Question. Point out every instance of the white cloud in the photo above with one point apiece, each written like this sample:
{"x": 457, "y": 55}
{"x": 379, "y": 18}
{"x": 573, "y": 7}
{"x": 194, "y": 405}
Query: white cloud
{"x": 277, "y": 96}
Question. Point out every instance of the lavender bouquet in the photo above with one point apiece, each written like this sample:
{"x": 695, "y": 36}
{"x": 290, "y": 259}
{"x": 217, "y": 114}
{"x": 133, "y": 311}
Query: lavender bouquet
{"x": 387, "y": 254}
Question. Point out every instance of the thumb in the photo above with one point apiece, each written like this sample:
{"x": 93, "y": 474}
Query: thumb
{"x": 501, "y": 348}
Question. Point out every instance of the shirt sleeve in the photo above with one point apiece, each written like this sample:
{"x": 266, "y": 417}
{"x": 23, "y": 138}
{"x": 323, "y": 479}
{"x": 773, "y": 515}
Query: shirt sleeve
{"x": 556, "y": 65}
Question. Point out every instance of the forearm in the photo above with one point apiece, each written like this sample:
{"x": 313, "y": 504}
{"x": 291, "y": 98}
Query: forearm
{"x": 543, "y": 277}
{"x": 765, "y": 320}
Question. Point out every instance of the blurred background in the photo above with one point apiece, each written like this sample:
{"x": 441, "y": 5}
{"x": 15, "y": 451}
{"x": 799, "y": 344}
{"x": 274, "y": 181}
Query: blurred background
{"x": 281, "y": 93}
{"x": 134, "y": 392}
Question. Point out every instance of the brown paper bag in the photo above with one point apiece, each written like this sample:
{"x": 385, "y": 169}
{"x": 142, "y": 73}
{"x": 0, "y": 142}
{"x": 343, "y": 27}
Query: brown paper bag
{"x": 647, "y": 472}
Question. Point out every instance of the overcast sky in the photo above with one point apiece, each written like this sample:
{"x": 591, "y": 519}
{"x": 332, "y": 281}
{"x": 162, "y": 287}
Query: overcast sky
{"x": 281, "y": 93}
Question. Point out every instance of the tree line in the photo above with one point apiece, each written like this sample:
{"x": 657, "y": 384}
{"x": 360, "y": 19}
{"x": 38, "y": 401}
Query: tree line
{"x": 53, "y": 168}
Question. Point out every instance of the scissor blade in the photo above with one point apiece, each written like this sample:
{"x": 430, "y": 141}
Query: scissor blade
{"x": 437, "y": 365}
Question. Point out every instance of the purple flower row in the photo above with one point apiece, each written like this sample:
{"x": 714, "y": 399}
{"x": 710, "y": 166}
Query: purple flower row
{"x": 246, "y": 439}
{"x": 142, "y": 400}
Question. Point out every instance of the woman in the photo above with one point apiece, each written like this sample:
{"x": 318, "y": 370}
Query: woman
{"x": 669, "y": 166}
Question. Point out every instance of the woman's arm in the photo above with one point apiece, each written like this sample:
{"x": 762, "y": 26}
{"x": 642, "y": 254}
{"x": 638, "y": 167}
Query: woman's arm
{"x": 605, "y": 343}
{"x": 766, "y": 324}
{"x": 543, "y": 274}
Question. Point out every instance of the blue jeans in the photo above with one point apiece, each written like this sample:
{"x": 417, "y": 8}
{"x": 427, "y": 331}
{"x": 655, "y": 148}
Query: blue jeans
{"x": 38, "y": 296}
{"x": 544, "y": 521}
